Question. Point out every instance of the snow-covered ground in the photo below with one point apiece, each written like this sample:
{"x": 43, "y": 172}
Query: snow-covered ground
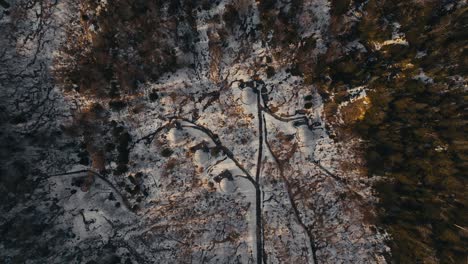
{"x": 226, "y": 166}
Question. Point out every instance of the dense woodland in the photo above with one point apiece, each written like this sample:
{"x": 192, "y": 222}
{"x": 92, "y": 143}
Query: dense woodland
{"x": 417, "y": 130}
{"x": 416, "y": 127}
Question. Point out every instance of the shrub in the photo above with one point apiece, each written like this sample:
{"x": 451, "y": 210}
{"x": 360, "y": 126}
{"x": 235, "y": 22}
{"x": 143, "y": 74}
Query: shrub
{"x": 166, "y": 152}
